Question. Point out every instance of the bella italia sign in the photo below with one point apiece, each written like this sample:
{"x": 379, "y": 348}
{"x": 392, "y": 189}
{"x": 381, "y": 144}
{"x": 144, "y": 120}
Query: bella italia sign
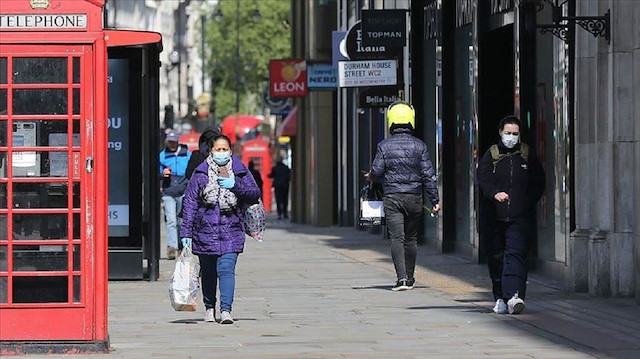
{"x": 43, "y": 21}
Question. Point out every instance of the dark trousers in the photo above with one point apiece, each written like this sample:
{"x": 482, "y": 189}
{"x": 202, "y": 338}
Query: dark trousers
{"x": 403, "y": 212}
{"x": 506, "y": 247}
{"x": 282, "y": 200}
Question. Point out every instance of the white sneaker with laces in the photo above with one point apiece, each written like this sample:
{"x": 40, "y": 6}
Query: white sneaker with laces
{"x": 210, "y": 315}
{"x": 225, "y": 318}
{"x": 515, "y": 304}
{"x": 500, "y": 307}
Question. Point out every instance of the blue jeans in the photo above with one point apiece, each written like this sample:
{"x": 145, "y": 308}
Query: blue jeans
{"x": 172, "y": 206}
{"x": 218, "y": 267}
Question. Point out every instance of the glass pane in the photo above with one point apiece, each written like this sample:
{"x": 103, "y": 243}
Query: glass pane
{"x": 40, "y": 101}
{"x": 39, "y": 226}
{"x": 40, "y": 70}
{"x": 3, "y": 195}
{"x": 40, "y": 164}
{"x": 3, "y": 102}
{"x": 3, "y": 70}
{"x": 42, "y": 258}
{"x": 4, "y": 229}
{"x": 76, "y": 257}
{"x": 76, "y": 101}
{"x": 4, "y": 264}
{"x": 3, "y": 165}
{"x": 76, "y": 226}
{"x": 76, "y": 289}
{"x": 3, "y": 133}
{"x": 40, "y": 195}
{"x": 4, "y": 290}
{"x": 40, "y": 289}
{"x": 44, "y": 133}
{"x": 76, "y": 195}
{"x": 76, "y": 70}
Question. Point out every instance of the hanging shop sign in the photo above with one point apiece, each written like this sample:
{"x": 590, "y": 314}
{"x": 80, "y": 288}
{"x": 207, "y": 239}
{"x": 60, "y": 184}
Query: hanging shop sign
{"x": 432, "y": 21}
{"x": 464, "y": 12}
{"x": 498, "y": 6}
{"x": 382, "y": 96}
{"x": 288, "y": 78}
{"x": 353, "y": 48}
{"x": 367, "y": 73}
{"x": 337, "y": 54}
{"x": 384, "y": 27}
{"x": 321, "y": 77}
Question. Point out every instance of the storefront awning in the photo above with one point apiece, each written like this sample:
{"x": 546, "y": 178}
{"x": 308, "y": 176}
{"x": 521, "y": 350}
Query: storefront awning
{"x": 289, "y": 126}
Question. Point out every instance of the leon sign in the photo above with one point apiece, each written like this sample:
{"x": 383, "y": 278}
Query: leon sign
{"x": 288, "y": 78}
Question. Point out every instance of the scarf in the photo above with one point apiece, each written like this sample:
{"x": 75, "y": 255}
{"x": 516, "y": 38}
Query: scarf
{"x": 212, "y": 193}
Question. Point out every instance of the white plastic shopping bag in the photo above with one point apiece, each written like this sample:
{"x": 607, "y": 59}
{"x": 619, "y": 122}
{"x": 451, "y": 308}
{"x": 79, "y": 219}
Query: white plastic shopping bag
{"x": 183, "y": 285}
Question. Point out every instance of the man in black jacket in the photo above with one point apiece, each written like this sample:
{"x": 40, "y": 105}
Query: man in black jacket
{"x": 511, "y": 180}
{"x": 281, "y": 177}
{"x": 403, "y": 166}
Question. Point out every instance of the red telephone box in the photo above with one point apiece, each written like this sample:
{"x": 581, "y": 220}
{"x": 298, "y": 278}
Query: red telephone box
{"x": 53, "y": 175}
{"x": 257, "y": 150}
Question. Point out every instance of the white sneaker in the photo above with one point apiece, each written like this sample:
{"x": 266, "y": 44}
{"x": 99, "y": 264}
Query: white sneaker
{"x": 500, "y": 307}
{"x": 210, "y": 315}
{"x": 225, "y": 318}
{"x": 515, "y": 304}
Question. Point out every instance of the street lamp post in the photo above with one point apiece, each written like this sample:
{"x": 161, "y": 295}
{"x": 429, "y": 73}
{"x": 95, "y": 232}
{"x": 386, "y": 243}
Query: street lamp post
{"x": 237, "y": 70}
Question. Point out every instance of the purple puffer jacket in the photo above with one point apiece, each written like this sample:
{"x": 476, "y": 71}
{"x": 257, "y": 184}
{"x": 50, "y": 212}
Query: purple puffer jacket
{"x": 211, "y": 232}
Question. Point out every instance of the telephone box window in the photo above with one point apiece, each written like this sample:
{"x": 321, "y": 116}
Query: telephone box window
{"x": 40, "y": 164}
{"x": 76, "y": 70}
{"x": 76, "y": 101}
{"x": 3, "y": 133}
{"x": 3, "y": 102}
{"x": 40, "y": 70}
{"x": 37, "y": 227}
{"x": 3, "y": 202}
{"x": 40, "y": 195}
{"x": 76, "y": 289}
{"x": 76, "y": 226}
{"x": 3, "y": 233}
{"x": 3, "y": 70}
{"x": 76, "y": 195}
{"x": 40, "y": 289}
{"x": 40, "y": 102}
{"x": 42, "y": 258}
{"x": 77, "y": 258}
{"x": 3, "y": 169}
{"x": 3, "y": 284}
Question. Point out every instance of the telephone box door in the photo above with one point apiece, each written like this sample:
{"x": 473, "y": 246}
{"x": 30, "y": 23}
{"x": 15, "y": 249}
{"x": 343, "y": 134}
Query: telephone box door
{"x": 47, "y": 249}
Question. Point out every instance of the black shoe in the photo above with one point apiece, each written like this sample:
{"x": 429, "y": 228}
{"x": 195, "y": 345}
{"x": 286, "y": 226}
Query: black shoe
{"x": 400, "y": 285}
{"x": 410, "y": 283}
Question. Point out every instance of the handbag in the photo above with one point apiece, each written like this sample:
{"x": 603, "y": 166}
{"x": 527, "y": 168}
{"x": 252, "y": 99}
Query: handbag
{"x": 371, "y": 205}
{"x": 254, "y": 219}
{"x": 183, "y": 285}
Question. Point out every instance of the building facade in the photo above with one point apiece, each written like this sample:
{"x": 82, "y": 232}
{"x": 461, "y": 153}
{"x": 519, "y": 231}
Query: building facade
{"x": 469, "y": 63}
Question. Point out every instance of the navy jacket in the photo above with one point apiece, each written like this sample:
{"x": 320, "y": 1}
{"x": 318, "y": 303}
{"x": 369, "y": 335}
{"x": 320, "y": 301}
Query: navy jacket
{"x": 402, "y": 164}
{"x": 522, "y": 180}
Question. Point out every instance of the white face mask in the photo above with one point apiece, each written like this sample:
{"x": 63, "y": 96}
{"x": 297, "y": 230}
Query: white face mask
{"x": 510, "y": 141}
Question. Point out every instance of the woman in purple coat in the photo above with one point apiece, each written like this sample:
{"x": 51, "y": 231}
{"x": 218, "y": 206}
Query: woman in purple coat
{"x": 212, "y": 222}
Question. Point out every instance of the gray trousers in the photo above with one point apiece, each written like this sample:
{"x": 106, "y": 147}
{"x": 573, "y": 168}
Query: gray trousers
{"x": 403, "y": 212}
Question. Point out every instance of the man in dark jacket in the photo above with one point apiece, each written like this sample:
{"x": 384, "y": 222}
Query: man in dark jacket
{"x": 403, "y": 166}
{"x": 281, "y": 177}
{"x": 511, "y": 180}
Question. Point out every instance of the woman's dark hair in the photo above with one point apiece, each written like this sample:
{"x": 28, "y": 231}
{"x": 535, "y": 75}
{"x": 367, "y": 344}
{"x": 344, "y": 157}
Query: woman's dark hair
{"x": 509, "y": 120}
{"x": 218, "y": 137}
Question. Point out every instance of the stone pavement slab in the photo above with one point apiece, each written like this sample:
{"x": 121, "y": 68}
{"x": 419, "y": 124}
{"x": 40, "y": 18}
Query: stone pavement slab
{"x": 325, "y": 293}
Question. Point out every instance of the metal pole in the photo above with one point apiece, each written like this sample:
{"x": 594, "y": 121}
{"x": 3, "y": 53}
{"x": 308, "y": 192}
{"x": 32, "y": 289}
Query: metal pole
{"x": 203, "y": 18}
{"x": 237, "y": 69}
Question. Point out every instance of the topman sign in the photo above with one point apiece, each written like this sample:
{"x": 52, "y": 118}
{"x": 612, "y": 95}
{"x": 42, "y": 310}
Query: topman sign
{"x": 43, "y": 21}
{"x": 384, "y": 27}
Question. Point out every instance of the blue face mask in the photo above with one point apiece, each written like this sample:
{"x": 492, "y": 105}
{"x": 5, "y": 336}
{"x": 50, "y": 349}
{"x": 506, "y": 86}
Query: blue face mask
{"x": 221, "y": 158}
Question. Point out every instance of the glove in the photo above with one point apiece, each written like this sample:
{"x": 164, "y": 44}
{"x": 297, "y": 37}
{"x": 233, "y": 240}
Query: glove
{"x": 186, "y": 242}
{"x": 226, "y": 182}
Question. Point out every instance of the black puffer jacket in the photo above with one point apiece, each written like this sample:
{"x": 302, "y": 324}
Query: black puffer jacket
{"x": 522, "y": 180}
{"x": 402, "y": 164}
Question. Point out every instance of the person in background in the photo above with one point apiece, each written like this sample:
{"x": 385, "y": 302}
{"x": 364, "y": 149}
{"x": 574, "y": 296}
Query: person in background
{"x": 256, "y": 175}
{"x": 212, "y": 222}
{"x": 403, "y": 166}
{"x": 281, "y": 177}
{"x": 511, "y": 180}
{"x": 173, "y": 165}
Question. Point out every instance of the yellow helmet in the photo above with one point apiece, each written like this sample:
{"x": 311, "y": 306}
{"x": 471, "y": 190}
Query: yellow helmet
{"x": 401, "y": 113}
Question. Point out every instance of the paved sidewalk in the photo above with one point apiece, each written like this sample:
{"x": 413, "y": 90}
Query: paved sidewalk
{"x": 325, "y": 293}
